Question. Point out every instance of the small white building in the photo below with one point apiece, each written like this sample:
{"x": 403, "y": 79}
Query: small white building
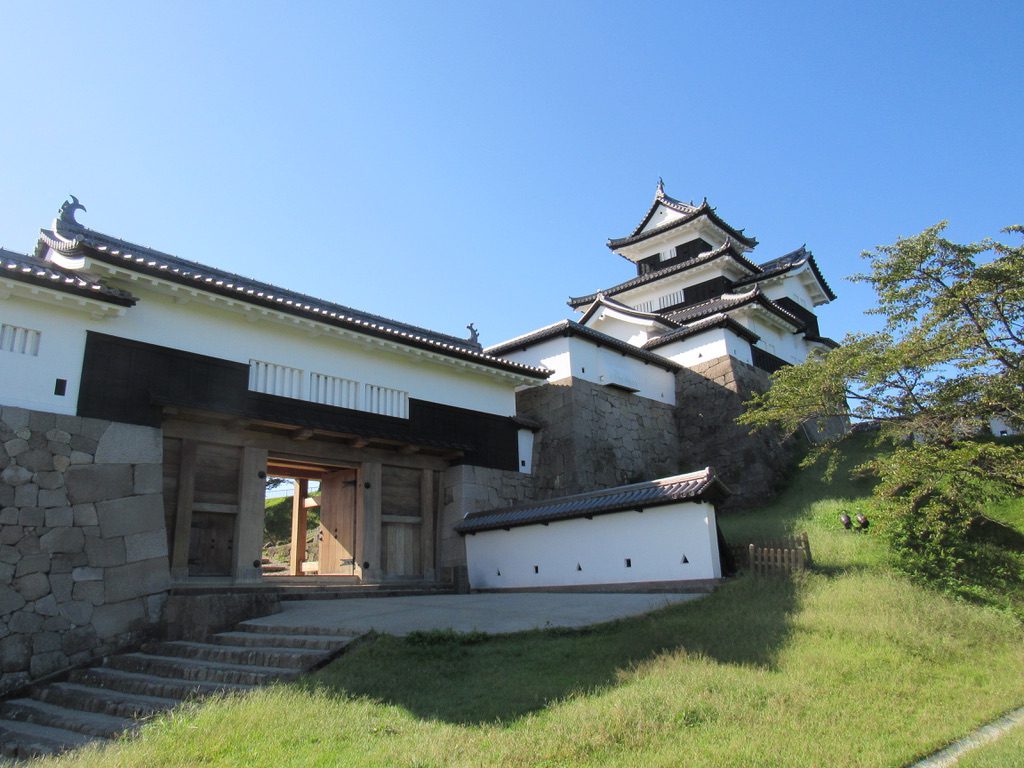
{"x": 660, "y": 533}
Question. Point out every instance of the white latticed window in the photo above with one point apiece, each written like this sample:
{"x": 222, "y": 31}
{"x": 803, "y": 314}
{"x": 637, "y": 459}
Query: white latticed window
{"x": 20, "y": 341}
{"x": 676, "y": 297}
{"x": 645, "y": 306}
{"x": 386, "y": 401}
{"x": 333, "y": 390}
{"x": 274, "y": 379}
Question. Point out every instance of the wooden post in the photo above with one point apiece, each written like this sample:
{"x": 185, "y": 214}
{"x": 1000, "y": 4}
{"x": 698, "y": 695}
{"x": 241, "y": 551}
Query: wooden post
{"x": 750, "y": 558}
{"x": 183, "y": 510}
{"x": 427, "y": 510}
{"x": 298, "y": 550}
{"x": 370, "y": 522}
{"x": 251, "y": 516}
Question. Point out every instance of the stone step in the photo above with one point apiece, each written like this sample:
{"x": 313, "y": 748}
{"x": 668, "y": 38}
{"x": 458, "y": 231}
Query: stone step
{"x": 138, "y": 683}
{"x": 253, "y": 625}
{"x": 105, "y": 701}
{"x": 247, "y": 655}
{"x": 203, "y": 671}
{"x": 26, "y": 740}
{"x": 314, "y": 642}
{"x": 53, "y": 716}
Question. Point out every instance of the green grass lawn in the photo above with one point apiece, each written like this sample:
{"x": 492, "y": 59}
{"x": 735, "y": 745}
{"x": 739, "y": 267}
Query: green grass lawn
{"x": 847, "y": 665}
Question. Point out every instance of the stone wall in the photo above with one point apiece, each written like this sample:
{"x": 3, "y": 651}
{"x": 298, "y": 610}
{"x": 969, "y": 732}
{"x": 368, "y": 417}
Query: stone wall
{"x": 594, "y": 436}
{"x": 710, "y": 396}
{"x": 83, "y": 546}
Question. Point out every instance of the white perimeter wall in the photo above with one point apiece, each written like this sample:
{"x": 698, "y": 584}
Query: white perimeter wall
{"x": 655, "y": 542}
{"x": 199, "y": 327}
{"x": 578, "y": 357}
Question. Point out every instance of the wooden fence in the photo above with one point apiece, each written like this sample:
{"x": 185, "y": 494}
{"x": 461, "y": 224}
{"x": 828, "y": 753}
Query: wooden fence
{"x": 775, "y": 555}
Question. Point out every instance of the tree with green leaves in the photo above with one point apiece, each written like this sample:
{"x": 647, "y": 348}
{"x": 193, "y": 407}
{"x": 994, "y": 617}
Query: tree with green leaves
{"x": 949, "y": 357}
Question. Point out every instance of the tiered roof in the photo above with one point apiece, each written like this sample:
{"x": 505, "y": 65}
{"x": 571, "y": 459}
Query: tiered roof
{"x": 689, "y": 212}
{"x": 27, "y": 269}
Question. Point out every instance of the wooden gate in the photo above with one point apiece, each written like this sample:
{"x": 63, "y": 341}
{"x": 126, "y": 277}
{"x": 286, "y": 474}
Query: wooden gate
{"x": 337, "y": 532}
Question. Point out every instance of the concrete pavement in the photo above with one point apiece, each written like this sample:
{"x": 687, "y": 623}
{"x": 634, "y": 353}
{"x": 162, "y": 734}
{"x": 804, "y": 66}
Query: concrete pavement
{"x": 493, "y": 613}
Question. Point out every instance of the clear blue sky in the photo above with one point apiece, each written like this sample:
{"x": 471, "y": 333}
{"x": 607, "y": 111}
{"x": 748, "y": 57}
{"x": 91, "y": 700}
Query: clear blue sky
{"x": 448, "y": 162}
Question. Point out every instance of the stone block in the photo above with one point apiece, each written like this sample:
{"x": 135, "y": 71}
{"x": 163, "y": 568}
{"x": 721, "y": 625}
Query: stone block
{"x": 9, "y": 516}
{"x": 15, "y": 418}
{"x": 15, "y": 447}
{"x": 93, "y": 428}
{"x": 32, "y": 586}
{"x": 81, "y": 638}
{"x": 10, "y": 600}
{"x": 84, "y": 573}
{"x": 55, "y": 624}
{"x": 145, "y": 545}
{"x": 58, "y": 436}
{"x": 145, "y": 577}
{"x": 60, "y": 586}
{"x": 45, "y": 642}
{"x": 61, "y": 463}
{"x": 23, "y": 432}
{"x": 7, "y": 572}
{"x": 77, "y": 612}
{"x": 40, "y": 421}
{"x": 33, "y": 564}
{"x": 15, "y": 475}
{"x": 85, "y": 514}
{"x": 37, "y": 460}
{"x": 46, "y": 606}
{"x": 28, "y": 544}
{"x": 117, "y": 618}
{"x": 48, "y": 480}
{"x": 26, "y": 495}
{"x": 131, "y": 515}
{"x": 15, "y": 652}
{"x": 25, "y": 623}
{"x": 37, "y": 441}
{"x": 43, "y": 664}
{"x": 9, "y": 554}
{"x": 58, "y": 497}
{"x": 32, "y": 516}
{"x": 6, "y": 495}
{"x": 130, "y": 444}
{"x": 58, "y": 449}
{"x": 103, "y": 553}
{"x": 63, "y": 540}
{"x": 78, "y": 458}
{"x": 149, "y": 478}
{"x": 83, "y": 444}
{"x": 88, "y": 591}
{"x": 59, "y": 517}
{"x": 70, "y": 424}
{"x": 95, "y": 482}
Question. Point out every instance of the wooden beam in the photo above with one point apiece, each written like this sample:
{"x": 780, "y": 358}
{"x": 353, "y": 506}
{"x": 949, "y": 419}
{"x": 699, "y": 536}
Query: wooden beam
{"x": 302, "y": 434}
{"x": 359, "y": 442}
{"x": 298, "y": 549}
{"x": 333, "y": 453}
{"x": 409, "y": 450}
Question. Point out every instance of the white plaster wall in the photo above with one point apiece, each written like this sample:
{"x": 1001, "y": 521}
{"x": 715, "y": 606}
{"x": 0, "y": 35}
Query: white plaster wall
{"x": 28, "y": 382}
{"x": 203, "y": 328}
{"x": 631, "y": 332}
{"x": 790, "y": 346}
{"x": 655, "y": 541}
{"x": 706, "y": 346}
{"x": 1001, "y": 427}
{"x": 579, "y": 357}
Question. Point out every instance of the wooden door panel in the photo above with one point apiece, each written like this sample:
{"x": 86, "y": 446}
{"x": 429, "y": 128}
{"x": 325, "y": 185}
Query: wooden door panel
{"x": 338, "y": 522}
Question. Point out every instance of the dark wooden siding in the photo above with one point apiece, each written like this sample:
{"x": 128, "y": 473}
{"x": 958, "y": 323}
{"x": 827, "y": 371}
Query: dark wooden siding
{"x": 130, "y": 381}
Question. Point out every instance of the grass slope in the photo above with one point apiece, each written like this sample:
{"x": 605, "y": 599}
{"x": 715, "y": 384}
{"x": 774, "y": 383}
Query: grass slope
{"x": 848, "y": 665}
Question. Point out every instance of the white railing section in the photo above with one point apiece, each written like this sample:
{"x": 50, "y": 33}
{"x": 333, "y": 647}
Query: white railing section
{"x": 386, "y": 401}
{"x": 20, "y": 341}
{"x": 274, "y": 379}
{"x": 333, "y": 390}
